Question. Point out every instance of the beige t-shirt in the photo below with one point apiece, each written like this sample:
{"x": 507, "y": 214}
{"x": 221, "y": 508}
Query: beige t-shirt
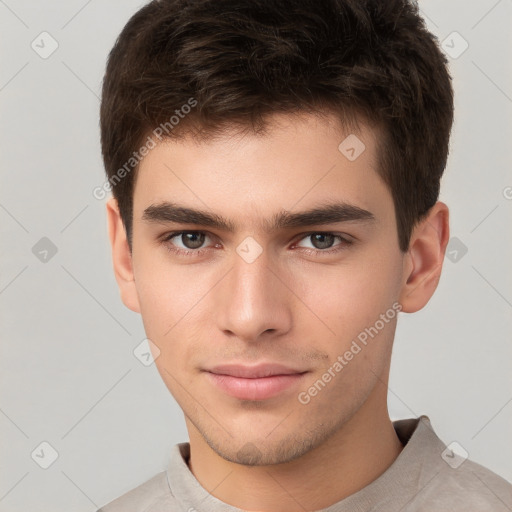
{"x": 426, "y": 476}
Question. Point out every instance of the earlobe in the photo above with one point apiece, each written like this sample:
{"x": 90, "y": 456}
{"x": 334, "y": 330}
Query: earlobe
{"x": 121, "y": 257}
{"x": 424, "y": 260}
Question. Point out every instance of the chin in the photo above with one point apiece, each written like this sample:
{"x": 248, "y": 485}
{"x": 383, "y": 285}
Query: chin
{"x": 262, "y": 451}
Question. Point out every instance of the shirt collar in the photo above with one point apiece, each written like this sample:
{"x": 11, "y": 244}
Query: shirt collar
{"x": 419, "y": 461}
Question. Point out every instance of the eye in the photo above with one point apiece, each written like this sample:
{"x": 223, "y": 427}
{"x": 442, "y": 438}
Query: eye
{"x": 323, "y": 242}
{"x": 191, "y": 242}
{"x": 191, "y": 239}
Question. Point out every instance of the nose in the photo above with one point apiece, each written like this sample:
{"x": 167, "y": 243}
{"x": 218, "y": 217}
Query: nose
{"x": 254, "y": 299}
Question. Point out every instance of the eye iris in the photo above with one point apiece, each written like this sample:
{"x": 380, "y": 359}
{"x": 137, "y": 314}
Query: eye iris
{"x": 192, "y": 240}
{"x": 321, "y": 238}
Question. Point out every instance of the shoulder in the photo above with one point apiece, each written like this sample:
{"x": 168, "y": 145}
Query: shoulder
{"x": 428, "y": 475}
{"x": 152, "y": 492}
{"x": 470, "y": 486}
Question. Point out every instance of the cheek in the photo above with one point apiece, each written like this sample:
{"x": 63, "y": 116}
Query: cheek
{"x": 350, "y": 300}
{"x": 350, "y": 297}
{"x": 166, "y": 291}
{"x": 175, "y": 302}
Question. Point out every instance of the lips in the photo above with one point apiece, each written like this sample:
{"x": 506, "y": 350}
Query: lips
{"x": 254, "y": 372}
{"x": 254, "y": 382}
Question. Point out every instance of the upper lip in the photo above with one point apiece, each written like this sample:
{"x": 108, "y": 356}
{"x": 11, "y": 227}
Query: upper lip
{"x": 253, "y": 372}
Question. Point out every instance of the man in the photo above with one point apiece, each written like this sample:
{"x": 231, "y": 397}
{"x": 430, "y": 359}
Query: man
{"x": 275, "y": 167}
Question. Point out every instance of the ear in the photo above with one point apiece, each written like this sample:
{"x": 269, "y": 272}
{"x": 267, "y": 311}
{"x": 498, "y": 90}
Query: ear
{"x": 424, "y": 259}
{"x": 122, "y": 257}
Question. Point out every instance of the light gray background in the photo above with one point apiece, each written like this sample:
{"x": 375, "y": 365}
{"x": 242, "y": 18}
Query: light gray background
{"x": 68, "y": 373}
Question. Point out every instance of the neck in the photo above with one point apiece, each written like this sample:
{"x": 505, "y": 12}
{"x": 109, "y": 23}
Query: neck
{"x": 346, "y": 462}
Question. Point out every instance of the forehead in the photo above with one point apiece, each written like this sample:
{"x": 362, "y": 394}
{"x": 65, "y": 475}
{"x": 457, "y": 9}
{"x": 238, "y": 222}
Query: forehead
{"x": 297, "y": 163}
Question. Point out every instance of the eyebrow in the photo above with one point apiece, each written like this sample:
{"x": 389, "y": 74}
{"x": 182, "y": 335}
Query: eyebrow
{"x": 325, "y": 214}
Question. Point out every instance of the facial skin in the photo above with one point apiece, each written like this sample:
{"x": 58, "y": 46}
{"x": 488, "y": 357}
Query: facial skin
{"x": 288, "y": 306}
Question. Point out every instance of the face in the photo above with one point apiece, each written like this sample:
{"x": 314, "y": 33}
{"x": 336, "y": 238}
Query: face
{"x": 267, "y": 286}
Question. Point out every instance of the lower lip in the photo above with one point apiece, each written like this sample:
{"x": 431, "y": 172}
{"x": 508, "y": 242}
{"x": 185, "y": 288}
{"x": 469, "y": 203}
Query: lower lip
{"x": 255, "y": 389}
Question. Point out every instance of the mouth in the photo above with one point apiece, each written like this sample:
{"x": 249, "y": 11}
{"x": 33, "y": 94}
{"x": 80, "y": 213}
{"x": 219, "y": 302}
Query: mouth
{"x": 254, "y": 382}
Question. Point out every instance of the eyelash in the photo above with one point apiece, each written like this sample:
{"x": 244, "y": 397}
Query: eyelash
{"x": 345, "y": 243}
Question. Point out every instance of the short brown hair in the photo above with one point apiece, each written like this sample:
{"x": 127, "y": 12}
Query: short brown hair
{"x": 242, "y": 60}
